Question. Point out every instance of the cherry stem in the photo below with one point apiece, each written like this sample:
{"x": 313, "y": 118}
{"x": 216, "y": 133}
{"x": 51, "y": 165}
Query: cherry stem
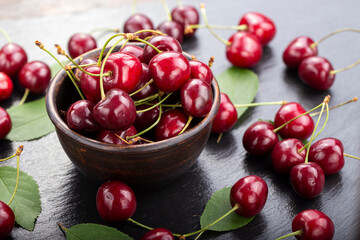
{"x": 124, "y": 44}
{"x": 133, "y": 7}
{"x": 62, "y": 227}
{"x": 219, "y": 138}
{"x": 260, "y": 104}
{"x": 140, "y": 89}
{"x": 155, "y": 48}
{"x": 150, "y": 31}
{"x": 145, "y": 140}
{"x": 313, "y": 45}
{"x": 345, "y": 68}
{"x": 339, "y": 105}
{"x": 145, "y": 100}
{"x": 298, "y": 232}
{"x": 351, "y": 156}
{"x": 105, "y": 45}
{"x": 242, "y": 27}
{"x": 155, "y": 105}
{"x": 17, "y": 154}
{"x": 24, "y": 97}
{"x": 167, "y": 11}
{"x": 115, "y": 30}
{"x": 84, "y": 65}
{"x": 179, "y": 3}
{"x": 186, "y": 125}
{"x": 6, "y": 35}
{"x": 211, "y": 61}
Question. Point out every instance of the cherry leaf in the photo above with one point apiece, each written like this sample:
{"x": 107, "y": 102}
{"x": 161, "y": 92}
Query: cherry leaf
{"x": 26, "y": 204}
{"x": 217, "y": 206}
{"x": 92, "y": 231}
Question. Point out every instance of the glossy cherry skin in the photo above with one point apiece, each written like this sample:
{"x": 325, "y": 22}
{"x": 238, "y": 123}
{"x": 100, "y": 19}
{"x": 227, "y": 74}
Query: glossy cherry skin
{"x": 245, "y": 50}
{"x": 328, "y": 153}
{"x": 226, "y": 117}
{"x": 5, "y": 123}
{"x": 196, "y": 98}
{"x": 201, "y": 71}
{"x": 6, "y": 86}
{"x": 163, "y": 43}
{"x": 110, "y": 137}
{"x": 173, "y": 29}
{"x": 146, "y": 119}
{"x": 315, "y": 71}
{"x": 158, "y": 234}
{"x": 297, "y": 50}
{"x": 126, "y": 72}
{"x": 12, "y": 59}
{"x": 116, "y": 112}
{"x": 137, "y": 22}
{"x": 259, "y": 139}
{"x": 79, "y": 116}
{"x": 259, "y": 25}
{"x": 315, "y": 225}
{"x": 307, "y": 179}
{"x": 35, "y": 76}
{"x": 171, "y": 124}
{"x": 90, "y": 85}
{"x": 136, "y": 51}
{"x": 300, "y": 128}
{"x": 145, "y": 78}
{"x": 185, "y": 16}
{"x": 7, "y": 220}
{"x": 85, "y": 61}
{"x": 250, "y": 193}
{"x": 80, "y": 43}
{"x": 170, "y": 70}
{"x": 115, "y": 201}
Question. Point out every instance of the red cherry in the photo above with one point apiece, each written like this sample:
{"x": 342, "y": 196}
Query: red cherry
{"x": 6, "y": 86}
{"x": 35, "y": 76}
{"x": 146, "y": 119}
{"x": 12, "y": 59}
{"x": 110, "y": 137}
{"x": 5, "y": 123}
{"x": 301, "y": 128}
{"x": 226, "y": 116}
{"x": 259, "y": 25}
{"x": 163, "y": 43}
{"x": 90, "y": 85}
{"x": 245, "y": 50}
{"x": 171, "y": 124}
{"x": 250, "y": 193}
{"x": 315, "y": 71}
{"x": 145, "y": 78}
{"x": 201, "y": 71}
{"x": 137, "y": 22}
{"x": 328, "y": 153}
{"x": 79, "y": 116}
{"x": 7, "y": 220}
{"x": 297, "y": 50}
{"x": 136, "y": 51}
{"x": 307, "y": 179}
{"x": 158, "y": 234}
{"x": 185, "y": 16}
{"x": 89, "y": 60}
{"x": 115, "y": 201}
{"x": 80, "y": 43}
{"x": 315, "y": 225}
{"x": 173, "y": 29}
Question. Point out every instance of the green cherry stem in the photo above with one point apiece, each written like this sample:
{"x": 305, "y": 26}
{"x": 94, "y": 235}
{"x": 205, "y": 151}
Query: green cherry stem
{"x": 155, "y": 105}
{"x": 259, "y": 104}
{"x": 242, "y": 27}
{"x": 339, "y": 105}
{"x": 17, "y": 154}
{"x": 124, "y": 44}
{"x": 179, "y": 3}
{"x": 313, "y": 45}
{"x": 143, "y": 41}
{"x": 145, "y": 100}
{"x": 24, "y": 97}
{"x": 140, "y": 224}
{"x": 297, "y": 233}
{"x": 186, "y": 125}
{"x": 105, "y": 45}
{"x": 6, "y": 35}
{"x": 350, "y": 156}
{"x": 140, "y": 89}
{"x": 167, "y": 11}
{"x": 84, "y": 65}
{"x": 345, "y": 68}
{"x": 133, "y": 7}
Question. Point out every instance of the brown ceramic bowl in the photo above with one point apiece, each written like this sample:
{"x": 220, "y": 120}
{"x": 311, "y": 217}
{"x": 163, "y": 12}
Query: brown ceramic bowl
{"x": 148, "y": 165}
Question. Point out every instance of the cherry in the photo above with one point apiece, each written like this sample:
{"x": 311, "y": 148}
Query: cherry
{"x": 85, "y": 61}
{"x": 196, "y": 98}
{"x": 80, "y": 43}
{"x": 115, "y": 201}
{"x": 201, "y": 71}
{"x": 259, "y": 25}
{"x": 136, "y": 51}
{"x": 307, "y": 179}
{"x": 90, "y": 85}
{"x": 6, "y": 86}
{"x": 286, "y": 155}
{"x": 138, "y": 22}
{"x": 158, "y": 234}
{"x": 79, "y": 116}
{"x": 316, "y": 72}
{"x": 185, "y": 16}
{"x": 7, "y": 220}
{"x": 245, "y": 50}
{"x": 116, "y": 112}
{"x": 170, "y": 70}
{"x": 259, "y": 139}
{"x": 299, "y": 49}
{"x": 250, "y": 193}
{"x": 146, "y": 119}
{"x": 5, "y": 123}
{"x": 226, "y": 116}
{"x": 12, "y": 59}
{"x": 173, "y": 29}
{"x": 328, "y": 153}
{"x": 171, "y": 124}
{"x": 163, "y": 43}
{"x": 35, "y": 76}
{"x": 110, "y": 137}
{"x": 300, "y": 128}
{"x": 145, "y": 78}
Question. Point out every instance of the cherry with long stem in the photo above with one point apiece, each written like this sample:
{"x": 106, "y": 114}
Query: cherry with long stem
{"x": 336, "y": 106}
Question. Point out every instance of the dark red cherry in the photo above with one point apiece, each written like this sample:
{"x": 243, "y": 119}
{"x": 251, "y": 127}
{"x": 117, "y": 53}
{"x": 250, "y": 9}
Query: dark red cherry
{"x": 259, "y": 25}
{"x": 163, "y": 43}
{"x": 5, "y": 123}
{"x": 286, "y": 155}
{"x": 125, "y": 72}
{"x": 307, "y": 179}
{"x": 117, "y": 112}
{"x": 314, "y": 225}
{"x": 259, "y": 139}
{"x": 226, "y": 116}
{"x": 315, "y": 71}
{"x": 158, "y": 234}
{"x": 170, "y": 70}
{"x": 146, "y": 119}
{"x": 80, "y": 43}
{"x": 245, "y": 50}
{"x": 138, "y": 22}
{"x": 185, "y": 16}
{"x": 12, "y": 59}
{"x": 80, "y": 117}
{"x": 115, "y": 201}
{"x": 110, "y": 137}
{"x": 196, "y": 98}
{"x": 301, "y": 128}
{"x": 35, "y": 76}
{"x": 145, "y": 78}
{"x": 134, "y": 50}
{"x": 173, "y": 29}
{"x": 6, "y": 86}
{"x": 328, "y": 153}
{"x": 7, "y": 220}
{"x": 90, "y": 85}
{"x": 201, "y": 71}
{"x": 171, "y": 124}
{"x": 250, "y": 193}
{"x": 299, "y": 49}
{"x": 85, "y": 61}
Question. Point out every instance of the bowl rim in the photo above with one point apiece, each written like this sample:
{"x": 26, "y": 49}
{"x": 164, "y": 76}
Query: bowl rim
{"x": 59, "y": 123}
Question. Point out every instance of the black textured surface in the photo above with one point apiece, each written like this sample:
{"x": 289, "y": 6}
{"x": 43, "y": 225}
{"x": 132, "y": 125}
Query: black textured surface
{"x": 69, "y": 198}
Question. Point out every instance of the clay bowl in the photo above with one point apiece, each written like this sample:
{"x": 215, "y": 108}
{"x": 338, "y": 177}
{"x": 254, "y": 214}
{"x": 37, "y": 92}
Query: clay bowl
{"x": 140, "y": 166}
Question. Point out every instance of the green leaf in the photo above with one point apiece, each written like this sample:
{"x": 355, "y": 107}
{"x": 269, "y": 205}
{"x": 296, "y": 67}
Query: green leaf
{"x": 55, "y": 68}
{"x": 86, "y": 231}
{"x": 29, "y": 121}
{"x": 26, "y": 204}
{"x": 240, "y": 85}
{"x": 217, "y": 206}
